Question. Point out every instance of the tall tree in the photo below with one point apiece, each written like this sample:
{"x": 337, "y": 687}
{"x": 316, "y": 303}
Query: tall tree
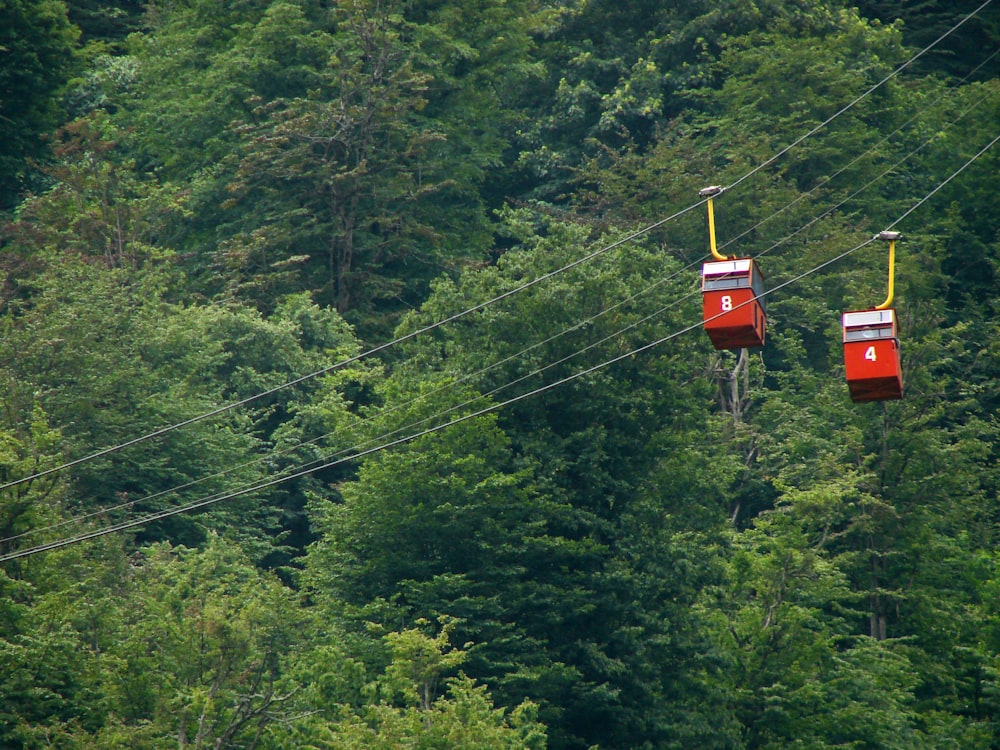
{"x": 37, "y": 57}
{"x": 105, "y": 24}
{"x": 170, "y": 645}
{"x": 924, "y": 22}
{"x": 557, "y": 563}
{"x": 341, "y": 151}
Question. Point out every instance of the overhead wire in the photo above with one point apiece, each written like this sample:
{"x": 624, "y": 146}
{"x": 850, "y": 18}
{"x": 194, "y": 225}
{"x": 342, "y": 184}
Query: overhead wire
{"x": 875, "y": 180}
{"x": 204, "y": 502}
{"x": 772, "y": 247}
{"x": 937, "y": 188}
{"x": 406, "y": 337}
{"x": 390, "y": 409}
{"x": 827, "y": 180}
{"x": 211, "y": 500}
{"x": 536, "y": 372}
{"x": 395, "y": 407}
{"x": 482, "y": 371}
{"x": 859, "y": 98}
{"x": 350, "y": 360}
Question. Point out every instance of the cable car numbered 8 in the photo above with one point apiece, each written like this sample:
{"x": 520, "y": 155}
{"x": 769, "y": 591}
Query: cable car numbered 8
{"x": 732, "y": 312}
{"x": 731, "y": 290}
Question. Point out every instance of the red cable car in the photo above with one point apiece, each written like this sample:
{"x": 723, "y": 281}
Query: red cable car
{"x": 732, "y": 313}
{"x": 871, "y": 355}
{"x": 871, "y": 345}
{"x": 730, "y": 291}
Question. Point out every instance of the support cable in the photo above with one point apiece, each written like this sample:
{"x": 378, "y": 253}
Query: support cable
{"x": 350, "y": 360}
{"x": 204, "y": 502}
{"x": 374, "y": 350}
{"x": 845, "y": 108}
{"x": 827, "y": 180}
{"x": 526, "y": 350}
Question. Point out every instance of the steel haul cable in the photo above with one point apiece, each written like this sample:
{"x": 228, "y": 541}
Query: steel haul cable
{"x": 857, "y": 100}
{"x": 57, "y": 544}
{"x": 356, "y": 358}
{"x": 382, "y": 347}
{"x": 260, "y": 459}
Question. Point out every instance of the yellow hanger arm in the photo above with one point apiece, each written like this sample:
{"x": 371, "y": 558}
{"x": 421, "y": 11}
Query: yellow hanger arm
{"x": 891, "y": 237}
{"x": 711, "y": 192}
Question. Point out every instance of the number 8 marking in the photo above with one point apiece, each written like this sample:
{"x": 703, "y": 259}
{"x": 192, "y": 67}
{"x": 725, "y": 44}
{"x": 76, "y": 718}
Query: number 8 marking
{"x": 727, "y": 303}
{"x": 870, "y": 354}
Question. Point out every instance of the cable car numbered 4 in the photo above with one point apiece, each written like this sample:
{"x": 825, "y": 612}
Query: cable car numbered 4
{"x": 731, "y": 288}
{"x": 871, "y": 345}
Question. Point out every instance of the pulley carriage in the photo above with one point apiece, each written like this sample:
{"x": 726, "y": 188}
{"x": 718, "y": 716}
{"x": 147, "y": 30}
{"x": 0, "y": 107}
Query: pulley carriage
{"x": 734, "y": 318}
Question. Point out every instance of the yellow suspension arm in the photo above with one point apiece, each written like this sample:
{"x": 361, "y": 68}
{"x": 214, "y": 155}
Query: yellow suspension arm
{"x": 891, "y": 237}
{"x": 711, "y": 192}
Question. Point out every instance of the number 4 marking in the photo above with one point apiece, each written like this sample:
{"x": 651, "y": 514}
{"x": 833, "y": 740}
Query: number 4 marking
{"x": 870, "y": 354}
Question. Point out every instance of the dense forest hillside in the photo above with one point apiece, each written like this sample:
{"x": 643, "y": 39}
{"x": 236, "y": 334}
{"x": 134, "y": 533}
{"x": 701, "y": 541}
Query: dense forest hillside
{"x": 354, "y": 392}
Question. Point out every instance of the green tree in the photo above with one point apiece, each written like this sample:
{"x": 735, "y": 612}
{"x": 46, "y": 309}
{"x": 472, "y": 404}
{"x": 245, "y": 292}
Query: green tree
{"x": 97, "y": 208}
{"x": 800, "y": 678}
{"x": 105, "y": 23}
{"x": 37, "y": 57}
{"x": 173, "y": 645}
{"x": 463, "y": 717}
{"x": 202, "y": 653}
{"x": 350, "y": 162}
{"x": 418, "y": 699}
{"x": 340, "y": 151}
{"x": 619, "y": 77}
{"x": 370, "y": 183}
{"x": 112, "y": 359}
{"x": 568, "y": 592}
{"x": 925, "y": 21}
{"x": 419, "y": 531}
{"x": 56, "y": 620}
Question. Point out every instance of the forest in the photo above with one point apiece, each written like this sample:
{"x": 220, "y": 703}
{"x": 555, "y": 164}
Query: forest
{"x": 354, "y": 391}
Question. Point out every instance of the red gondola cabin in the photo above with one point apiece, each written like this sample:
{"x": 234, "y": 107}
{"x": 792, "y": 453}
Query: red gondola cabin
{"x": 733, "y": 314}
{"x": 871, "y": 355}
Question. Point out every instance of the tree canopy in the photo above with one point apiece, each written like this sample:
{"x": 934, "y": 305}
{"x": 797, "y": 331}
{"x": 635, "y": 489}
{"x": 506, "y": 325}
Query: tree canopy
{"x": 353, "y": 391}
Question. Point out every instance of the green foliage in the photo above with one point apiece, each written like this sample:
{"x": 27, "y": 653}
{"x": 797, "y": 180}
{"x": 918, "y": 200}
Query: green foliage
{"x": 541, "y": 559}
{"x": 110, "y": 359}
{"x": 184, "y": 74}
{"x": 104, "y": 23}
{"x": 56, "y": 622}
{"x": 341, "y": 151}
{"x": 173, "y": 646}
{"x": 463, "y": 716}
{"x": 27, "y": 447}
{"x": 99, "y": 207}
{"x": 203, "y": 649}
{"x": 924, "y": 22}
{"x": 560, "y": 519}
{"x": 450, "y": 531}
{"x": 37, "y": 58}
{"x": 350, "y": 160}
{"x": 800, "y": 679}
